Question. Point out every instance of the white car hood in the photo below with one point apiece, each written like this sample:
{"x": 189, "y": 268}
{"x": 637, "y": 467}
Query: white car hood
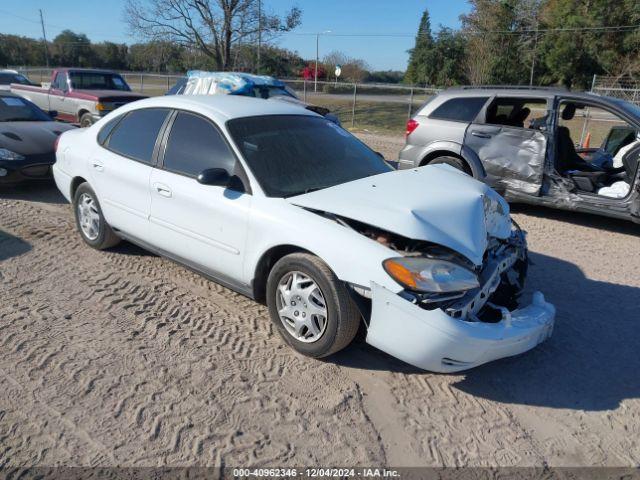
{"x": 435, "y": 203}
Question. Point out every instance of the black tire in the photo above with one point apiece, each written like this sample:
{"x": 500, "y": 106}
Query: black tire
{"x": 106, "y": 237}
{"x": 343, "y": 318}
{"x": 86, "y": 120}
{"x": 455, "y": 162}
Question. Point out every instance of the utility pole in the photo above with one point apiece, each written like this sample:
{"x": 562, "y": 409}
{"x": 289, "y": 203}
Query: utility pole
{"x": 533, "y": 57}
{"x": 259, "y": 34}
{"x": 44, "y": 37}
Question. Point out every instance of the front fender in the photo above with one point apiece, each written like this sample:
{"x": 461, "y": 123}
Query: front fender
{"x": 353, "y": 257}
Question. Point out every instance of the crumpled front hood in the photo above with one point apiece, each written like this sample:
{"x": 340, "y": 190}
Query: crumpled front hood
{"x": 435, "y": 203}
{"x": 30, "y": 138}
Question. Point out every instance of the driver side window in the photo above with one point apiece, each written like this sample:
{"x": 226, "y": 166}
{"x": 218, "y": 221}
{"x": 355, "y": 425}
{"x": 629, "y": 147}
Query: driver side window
{"x": 194, "y": 145}
{"x": 591, "y": 126}
{"x": 60, "y": 82}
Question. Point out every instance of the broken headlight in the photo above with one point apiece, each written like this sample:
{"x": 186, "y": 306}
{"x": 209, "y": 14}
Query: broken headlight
{"x": 10, "y": 155}
{"x": 430, "y": 274}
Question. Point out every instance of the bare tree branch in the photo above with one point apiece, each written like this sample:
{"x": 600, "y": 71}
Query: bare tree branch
{"x": 212, "y": 27}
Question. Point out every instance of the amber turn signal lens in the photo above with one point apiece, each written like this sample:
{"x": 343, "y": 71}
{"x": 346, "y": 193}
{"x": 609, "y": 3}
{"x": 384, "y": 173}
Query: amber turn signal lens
{"x": 400, "y": 273}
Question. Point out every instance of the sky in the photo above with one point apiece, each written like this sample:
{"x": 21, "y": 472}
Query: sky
{"x": 104, "y": 20}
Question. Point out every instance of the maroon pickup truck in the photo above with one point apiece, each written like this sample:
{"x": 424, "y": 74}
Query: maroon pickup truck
{"x": 79, "y": 95}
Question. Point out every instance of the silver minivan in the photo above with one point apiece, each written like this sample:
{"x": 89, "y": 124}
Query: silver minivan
{"x": 546, "y": 146}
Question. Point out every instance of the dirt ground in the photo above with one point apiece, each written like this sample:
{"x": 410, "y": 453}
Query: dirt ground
{"x": 125, "y": 358}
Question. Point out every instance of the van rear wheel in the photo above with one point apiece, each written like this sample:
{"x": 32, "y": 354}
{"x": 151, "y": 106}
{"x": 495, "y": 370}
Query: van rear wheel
{"x": 455, "y": 162}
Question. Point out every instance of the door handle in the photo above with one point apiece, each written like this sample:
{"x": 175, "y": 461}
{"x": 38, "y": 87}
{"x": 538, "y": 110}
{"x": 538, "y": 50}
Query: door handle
{"x": 98, "y": 165}
{"x": 162, "y": 189}
{"x": 480, "y": 134}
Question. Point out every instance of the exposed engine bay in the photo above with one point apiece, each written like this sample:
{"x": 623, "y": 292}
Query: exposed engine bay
{"x": 501, "y": 275}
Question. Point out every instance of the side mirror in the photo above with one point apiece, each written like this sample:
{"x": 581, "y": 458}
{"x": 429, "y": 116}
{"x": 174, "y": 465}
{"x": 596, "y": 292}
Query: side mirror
{"x": 52, "y": 113}
{"x": 214, "y": 176}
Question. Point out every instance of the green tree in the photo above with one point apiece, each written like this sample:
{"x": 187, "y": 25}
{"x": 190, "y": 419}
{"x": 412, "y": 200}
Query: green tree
{"x": 110, "y": 55}
{"x": 420, "y": 69}
{"x": 572, "y": 57}
{"x": 448, "y": 56}
{"x": 73, "y": 50}
{"x": 494, "y": 51}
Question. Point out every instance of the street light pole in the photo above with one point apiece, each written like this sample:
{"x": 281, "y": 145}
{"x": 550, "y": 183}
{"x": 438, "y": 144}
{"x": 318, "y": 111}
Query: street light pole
{"x": 315, "y": 83}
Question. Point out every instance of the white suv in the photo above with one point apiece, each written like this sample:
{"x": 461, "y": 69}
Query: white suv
{"x": 286, "y": 207}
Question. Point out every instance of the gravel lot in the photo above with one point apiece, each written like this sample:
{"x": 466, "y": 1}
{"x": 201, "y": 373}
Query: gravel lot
{"x": 124, "y": 358}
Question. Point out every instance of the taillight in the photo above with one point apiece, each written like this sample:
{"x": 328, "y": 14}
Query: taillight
{"x": 411, "y": 126}
{"x": 55, "y": 144}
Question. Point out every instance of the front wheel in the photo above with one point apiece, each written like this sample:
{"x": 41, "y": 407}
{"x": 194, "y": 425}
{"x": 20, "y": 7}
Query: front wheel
{"x": 310, "y": 306}
{"x": 93, "y": 228}
{"x": 86, "y": 120}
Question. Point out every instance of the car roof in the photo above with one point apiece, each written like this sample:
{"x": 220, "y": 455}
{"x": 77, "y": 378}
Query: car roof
{"x": 87, "y": 70}
{"x": 517, "y": 91}
{"x": 220, "y": 107}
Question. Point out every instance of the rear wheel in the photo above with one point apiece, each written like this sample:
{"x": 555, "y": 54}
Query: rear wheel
{"x": 310, "y": 306}
{"x": 93, "y": 228}
{"x": 455, "y": 162}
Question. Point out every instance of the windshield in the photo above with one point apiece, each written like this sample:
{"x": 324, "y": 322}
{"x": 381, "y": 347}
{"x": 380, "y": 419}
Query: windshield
{"x": 98, "y": 81}
{"x": 294, "y": 154}
{"x": 17, "y": 109}
{"x": 8, "y": 78}
{"x": 265, "y": 91}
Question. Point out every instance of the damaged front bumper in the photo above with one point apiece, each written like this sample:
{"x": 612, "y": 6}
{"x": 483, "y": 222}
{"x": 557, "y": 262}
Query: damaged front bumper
{"x": 435, "y": 341}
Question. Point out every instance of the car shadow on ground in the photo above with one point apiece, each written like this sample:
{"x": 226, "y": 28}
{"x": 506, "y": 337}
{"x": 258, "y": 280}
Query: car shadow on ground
{"x": 590, "y": 363}
{"x": 626, "y": 227}
{"x": 43, "y": 192}
{"x": 11, "y": 246}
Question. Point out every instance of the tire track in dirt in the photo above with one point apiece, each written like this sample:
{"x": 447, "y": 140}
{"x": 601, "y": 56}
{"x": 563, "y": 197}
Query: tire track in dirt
{"x": 158, "y": 365}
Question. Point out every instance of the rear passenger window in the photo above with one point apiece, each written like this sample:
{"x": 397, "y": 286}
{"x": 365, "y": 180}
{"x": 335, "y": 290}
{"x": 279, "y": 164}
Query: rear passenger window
{"x": 463, "y": 109}
{"x": 135, "y": 136}
{"x": 107, "y": 129}
{"x": 195, "y": 145}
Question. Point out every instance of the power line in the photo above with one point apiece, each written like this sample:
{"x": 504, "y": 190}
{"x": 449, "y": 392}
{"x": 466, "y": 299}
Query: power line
{"x": 479, "y": 32}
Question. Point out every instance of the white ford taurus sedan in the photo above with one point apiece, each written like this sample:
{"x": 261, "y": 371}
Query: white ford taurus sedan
{"x": 286, "y": 207}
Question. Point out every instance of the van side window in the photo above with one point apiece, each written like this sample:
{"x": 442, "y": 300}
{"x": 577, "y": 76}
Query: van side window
{"x": 463, "y": 109}
{"x": 517, "y": 112}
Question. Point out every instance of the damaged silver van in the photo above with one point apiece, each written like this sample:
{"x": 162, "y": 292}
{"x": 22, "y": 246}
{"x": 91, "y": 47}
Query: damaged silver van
{"x": 545, "y": 146}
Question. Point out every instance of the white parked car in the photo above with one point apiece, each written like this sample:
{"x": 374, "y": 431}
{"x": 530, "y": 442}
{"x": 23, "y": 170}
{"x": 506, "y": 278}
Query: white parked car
{"x": 282, "y": 205}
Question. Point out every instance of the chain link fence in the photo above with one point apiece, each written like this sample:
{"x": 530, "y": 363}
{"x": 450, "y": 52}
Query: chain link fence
{"x": 625, "y": 88}
{"x": 379, "y": 108}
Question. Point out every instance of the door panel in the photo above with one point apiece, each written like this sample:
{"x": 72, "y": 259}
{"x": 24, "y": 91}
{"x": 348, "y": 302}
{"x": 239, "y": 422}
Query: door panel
{"x": 203, "y": 224}
{"x": 122, "y": 186}
{"x": 122, "y": 168}
{"x": 513, "y": 158}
